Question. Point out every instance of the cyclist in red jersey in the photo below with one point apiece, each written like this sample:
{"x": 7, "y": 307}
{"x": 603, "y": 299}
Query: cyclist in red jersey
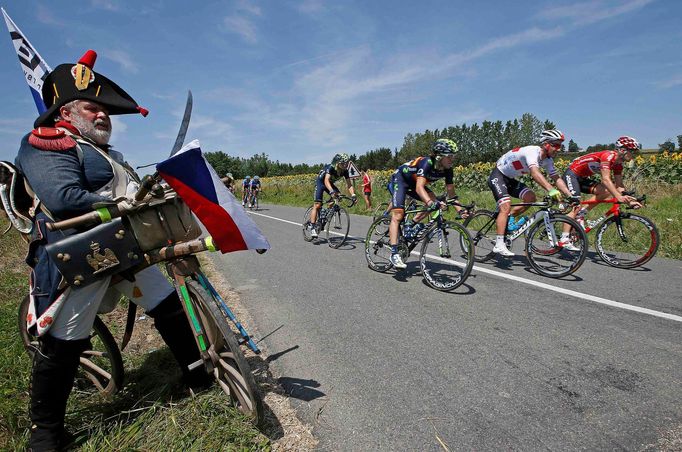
{"x": 578, "y": 175}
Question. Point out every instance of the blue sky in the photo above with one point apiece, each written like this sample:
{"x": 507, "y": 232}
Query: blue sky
{"x": 303, "y": 80}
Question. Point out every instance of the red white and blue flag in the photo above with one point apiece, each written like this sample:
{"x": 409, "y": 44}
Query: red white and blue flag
{"x": 34, "y": 67}
{"x": 198, "y": 184}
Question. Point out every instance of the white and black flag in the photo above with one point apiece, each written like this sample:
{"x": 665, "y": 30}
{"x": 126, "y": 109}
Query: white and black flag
{"x": 34, "y": 67}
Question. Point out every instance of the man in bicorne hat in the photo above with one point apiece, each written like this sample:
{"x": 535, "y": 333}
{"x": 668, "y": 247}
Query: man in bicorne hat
{"x": 68, "y": 163}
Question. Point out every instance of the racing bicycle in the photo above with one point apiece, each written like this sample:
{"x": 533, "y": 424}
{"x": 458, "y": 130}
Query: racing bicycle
{"x": 624, "y": 239}
{"x": 446, "y": 256}
{"x": 333, "y": 218}
{"x": 253, "y": 199}
{"x": 541, "y": 233}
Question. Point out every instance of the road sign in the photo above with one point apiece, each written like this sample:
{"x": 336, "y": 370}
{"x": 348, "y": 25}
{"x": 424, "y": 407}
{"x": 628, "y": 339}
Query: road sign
{"x": 353, "y": 172}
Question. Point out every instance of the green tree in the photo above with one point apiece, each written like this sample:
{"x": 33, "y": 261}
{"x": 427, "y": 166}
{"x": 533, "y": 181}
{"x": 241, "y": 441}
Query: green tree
{"x": 679, "y": 143}
{"x": 572, "y": 146}
{"x": 668, "y": 146}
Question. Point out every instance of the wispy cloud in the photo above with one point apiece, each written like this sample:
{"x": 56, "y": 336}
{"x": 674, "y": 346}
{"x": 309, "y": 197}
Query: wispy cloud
{"x": 310, "y": 6}
{"x": 123, "y": 58}
{"x": 249, "y": 7}
{"x": 240, "y": 21}
{"x": 241, "y": 26}
{"x": 671, "y": 82}
{"x": 45, "y": 16}
{"x": 210, "y": 126}
{"x": 107, "y": 5}
{"x": 118, "y": 128}
{"x": 589, "y": 12}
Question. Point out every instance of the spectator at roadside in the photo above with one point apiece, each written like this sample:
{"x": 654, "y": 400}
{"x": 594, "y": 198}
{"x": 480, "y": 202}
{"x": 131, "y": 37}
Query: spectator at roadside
{"x": 367, "y": 181}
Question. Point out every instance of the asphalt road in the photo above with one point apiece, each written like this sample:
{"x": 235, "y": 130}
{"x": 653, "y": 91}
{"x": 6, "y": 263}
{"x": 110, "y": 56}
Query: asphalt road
{"x": 511, "y": 360}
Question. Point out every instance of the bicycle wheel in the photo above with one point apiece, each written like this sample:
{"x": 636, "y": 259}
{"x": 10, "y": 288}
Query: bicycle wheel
{"x": 546, "y": 255}
{"x": 337, "y": 227}
{"x": 377, "y": 246}
{"x": 381, "y": 211}
{"x": 101, "y": 366}
{"x": 223, "y": 355}
{"x": 627, "y": 241}
{"x": 481, "y": 227}
{"x": 447, "y": 256}
{"x": 306, "y": 225}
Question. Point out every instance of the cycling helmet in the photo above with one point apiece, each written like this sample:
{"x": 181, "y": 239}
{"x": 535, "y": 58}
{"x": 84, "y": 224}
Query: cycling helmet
{"x": 256, "y": 178}
{"x": 444, "y": 146}
{"x": 552, "y": 136}
{"x": 247, "y": 177}
{"x": 340, "y": 158}
{"x": 629, "y": 143}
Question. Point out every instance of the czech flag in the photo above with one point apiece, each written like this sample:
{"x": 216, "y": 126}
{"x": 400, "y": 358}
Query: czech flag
{"x": 198, "y": 184}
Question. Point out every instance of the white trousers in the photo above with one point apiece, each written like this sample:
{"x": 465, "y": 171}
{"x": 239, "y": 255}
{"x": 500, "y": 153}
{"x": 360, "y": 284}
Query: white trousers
{"x": 77, "y": 313}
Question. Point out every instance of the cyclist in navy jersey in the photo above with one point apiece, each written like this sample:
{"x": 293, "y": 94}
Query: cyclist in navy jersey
{"x": 246, "y": 187}
{"x": 325, "y": 184}
{"x": 412, "y": 179}
{"x": 254, "y": 188}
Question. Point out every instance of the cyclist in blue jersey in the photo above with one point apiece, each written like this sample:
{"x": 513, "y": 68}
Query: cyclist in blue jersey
{"x": 246, "y": 187}
{"x": 255, "y": 188}
{"x": 325, "y": 184}
{"x": 412, "y": 179}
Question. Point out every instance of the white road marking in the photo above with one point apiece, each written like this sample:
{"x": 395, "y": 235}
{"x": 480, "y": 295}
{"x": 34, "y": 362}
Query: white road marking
{"x": 530, "y": 282}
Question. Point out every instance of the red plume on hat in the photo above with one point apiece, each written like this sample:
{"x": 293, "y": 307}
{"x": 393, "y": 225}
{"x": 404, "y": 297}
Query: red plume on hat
{"x": 68, "y": 82}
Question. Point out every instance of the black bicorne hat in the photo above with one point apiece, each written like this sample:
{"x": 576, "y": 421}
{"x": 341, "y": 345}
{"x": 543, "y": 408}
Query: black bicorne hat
{"x": 69, "y": 82}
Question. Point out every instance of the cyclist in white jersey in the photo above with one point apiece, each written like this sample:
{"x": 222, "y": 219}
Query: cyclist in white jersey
{"x": 504, "y": 184}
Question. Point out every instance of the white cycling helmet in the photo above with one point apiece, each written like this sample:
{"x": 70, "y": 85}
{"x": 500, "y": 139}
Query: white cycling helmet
{"x": 552, "y": 136}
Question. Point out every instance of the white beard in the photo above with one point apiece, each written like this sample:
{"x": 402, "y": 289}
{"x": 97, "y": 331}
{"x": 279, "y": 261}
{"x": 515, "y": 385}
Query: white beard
{"x": 88, "y": 130}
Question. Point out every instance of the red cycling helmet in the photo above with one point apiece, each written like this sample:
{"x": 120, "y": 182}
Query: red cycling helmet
{"x": 629, "y": 143}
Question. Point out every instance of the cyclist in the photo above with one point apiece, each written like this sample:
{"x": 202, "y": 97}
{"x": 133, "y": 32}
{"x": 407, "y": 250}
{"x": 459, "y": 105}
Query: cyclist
{"x": 578, "y": 174}
{"x": 325, "y": 183}
{"x": 246, "y": 187}
{"x": 504, "y": 184}
{"x": 411, "y": 179}
{"x": 254, "y": 187}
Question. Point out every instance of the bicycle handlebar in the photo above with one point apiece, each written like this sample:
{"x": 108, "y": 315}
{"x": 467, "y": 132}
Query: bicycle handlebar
{"x": 341, "y": 197}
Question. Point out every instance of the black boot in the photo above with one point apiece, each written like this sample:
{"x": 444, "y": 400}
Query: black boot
{"x": 54, "y": 370}
{"x": 171, "y": 322}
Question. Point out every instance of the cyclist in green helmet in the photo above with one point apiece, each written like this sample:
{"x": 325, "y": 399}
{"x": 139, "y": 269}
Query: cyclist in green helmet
{"x": 325, "y": 184}
{"x": 412, "y": 178}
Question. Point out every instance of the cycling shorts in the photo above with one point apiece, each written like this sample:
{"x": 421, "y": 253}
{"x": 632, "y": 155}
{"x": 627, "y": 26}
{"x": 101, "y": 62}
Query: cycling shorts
{"x": 504, "y": 188}
{"x": 321, "y": 189}
{"x": 577, "y": 185}
{"x": 399, "y": 189}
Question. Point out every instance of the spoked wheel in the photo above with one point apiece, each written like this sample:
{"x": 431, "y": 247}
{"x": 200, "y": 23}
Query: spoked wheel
{"x": 337, "y": 227}
{"x": 547, "y": 255}
{"x": 223, "y": 356}
{"x": 481, "y": 227}
{"x": 447, "y": 256}
{"x": 381, "y": 211}
{"x": 377, "y": 246}
{"x": 101, "y": 366}
{"x": 627, "y": 241}
{"x": 306, "y": 225}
